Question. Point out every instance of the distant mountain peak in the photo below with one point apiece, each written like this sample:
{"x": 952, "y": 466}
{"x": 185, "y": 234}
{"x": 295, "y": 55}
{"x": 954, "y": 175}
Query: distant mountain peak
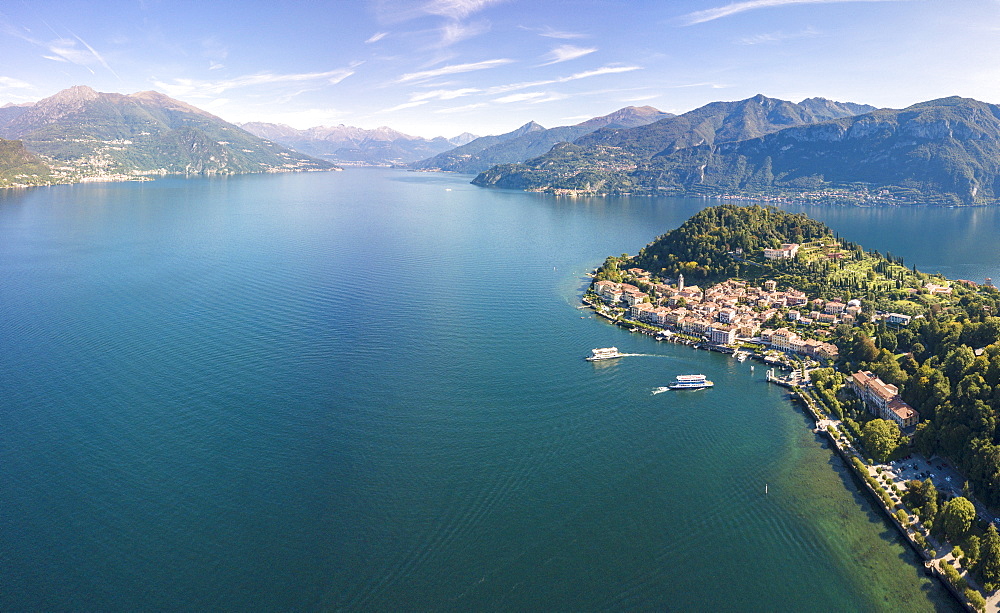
{"x": 165, "y": 101}
{"x": 76, "y": 93}
{"x": 147, "y": 132}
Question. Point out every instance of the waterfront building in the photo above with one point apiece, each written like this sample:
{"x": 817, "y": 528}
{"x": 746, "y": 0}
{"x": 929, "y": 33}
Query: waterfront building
{"x": 633, "y": 298}
{"x": 639, "y": 310}
{"x": 722, "y": 334}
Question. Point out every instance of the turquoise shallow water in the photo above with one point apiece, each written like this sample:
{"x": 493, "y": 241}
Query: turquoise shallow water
{"x": 365, "y": 391}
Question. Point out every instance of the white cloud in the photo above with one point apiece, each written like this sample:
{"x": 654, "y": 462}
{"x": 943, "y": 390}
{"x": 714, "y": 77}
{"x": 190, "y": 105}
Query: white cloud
{"x": 459, "y": 109}
{"x": 454, "y": 32}
{"x": 444, "y": 94}
{"x": 374, "y": 38}
{"x": 777, "y": 37}
{"x": 193, "y": 87}
{"x": 405, "y": 105}
{"x": 457, "y": 9}
{"x": 641, "y": 98}
{"x": 519, "y": 97}
{"x": 750, "y": 5}
{"x": 452, "y": 69}
{"x": 531, "y": 97}
{"x": 500, "y": 89}
{"x": 549, "y": 32}
{"x": 564, "y": 53}
{"x": 215, "y": 65}
{"x": 13, "y": 83}
{"x": 66, "y": 50}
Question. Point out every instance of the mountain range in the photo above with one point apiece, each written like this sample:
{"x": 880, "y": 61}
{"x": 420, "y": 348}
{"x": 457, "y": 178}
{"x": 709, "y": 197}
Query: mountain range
{"x": 81, "y": 133}
{"x": 531, "y": 140}
{"x": 350, "y": 145}
{"x": 606, "y": 160}
{"x": 944, "y": 151}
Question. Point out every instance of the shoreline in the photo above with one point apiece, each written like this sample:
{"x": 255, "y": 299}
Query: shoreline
{"x": 846, "y": 452}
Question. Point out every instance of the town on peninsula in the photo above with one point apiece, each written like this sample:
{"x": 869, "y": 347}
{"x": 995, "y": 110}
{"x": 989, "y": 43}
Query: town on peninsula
{"x": 899, "y": 369}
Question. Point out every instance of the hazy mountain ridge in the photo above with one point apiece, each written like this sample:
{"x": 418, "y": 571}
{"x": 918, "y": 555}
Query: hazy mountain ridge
{"x": 348, "y": 144}
{"x": 21, "y": 168}
{"x": 88, "y": 133}
{"x": 684, "y": 154}
{"x": 945, "y": 151}
{"x": 531, "y": 140}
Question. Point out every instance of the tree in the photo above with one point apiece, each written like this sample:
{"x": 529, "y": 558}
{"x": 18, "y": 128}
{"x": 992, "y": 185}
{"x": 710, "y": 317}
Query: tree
{"x": 880, "y": 437}
{"x": 972, "y": 550}
{"x": 929, "y": 511}
{"x": 956, "y": 519}
{"x": 990, "y": 558}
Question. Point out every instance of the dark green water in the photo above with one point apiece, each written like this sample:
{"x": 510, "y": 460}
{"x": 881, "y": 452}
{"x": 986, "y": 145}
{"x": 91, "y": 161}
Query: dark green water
{"x": 365, "y": 391}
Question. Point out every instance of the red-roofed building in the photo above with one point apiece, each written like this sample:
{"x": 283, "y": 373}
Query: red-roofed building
{"x": 883, "y": 399}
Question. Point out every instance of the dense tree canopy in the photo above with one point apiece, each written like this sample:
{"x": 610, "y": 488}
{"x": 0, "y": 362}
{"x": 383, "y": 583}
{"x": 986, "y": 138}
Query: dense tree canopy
{"x": 955, "y": 519}
{"x": 880, "y": 437}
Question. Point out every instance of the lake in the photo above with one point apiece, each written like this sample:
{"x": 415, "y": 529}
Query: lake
{"x": 365, "y": 390}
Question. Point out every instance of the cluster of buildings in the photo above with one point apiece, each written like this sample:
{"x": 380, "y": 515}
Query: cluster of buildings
{"x": 882, "y": 399}
{"x": 728, "y": 311}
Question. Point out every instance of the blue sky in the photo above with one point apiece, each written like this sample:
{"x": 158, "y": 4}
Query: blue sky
{"x": 442, "y": 67}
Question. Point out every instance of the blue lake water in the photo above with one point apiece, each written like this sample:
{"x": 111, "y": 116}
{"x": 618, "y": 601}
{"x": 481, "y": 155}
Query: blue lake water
{"x": 365, "y": 391}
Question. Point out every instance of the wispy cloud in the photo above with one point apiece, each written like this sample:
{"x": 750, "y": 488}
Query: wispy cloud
{"x": 194, "y": 87}
{"x": 63, "y": 49}
{"x": 520, "y": 97}
{"x": 777, "y": 37}
{"x": 708, "y": 84}
{"x": 564, "y": 53}
{"x": 641, "y": 98}
{"x": 444, "y": 94}
{"x": 424, "y": 75}
{"x": 751, "y": 5}
{"x": 459, "y": 109}
{"x": 549, "y": 32}
{"x": 456, "y": 31}
{"x": 374, "y": 38}
{"x": 66, "y": 50}
{"x": 405, "y": 105}
{"x": 457, "y": 9}
{"x": 500, "y": 89}
{"x": 12, "y": 83}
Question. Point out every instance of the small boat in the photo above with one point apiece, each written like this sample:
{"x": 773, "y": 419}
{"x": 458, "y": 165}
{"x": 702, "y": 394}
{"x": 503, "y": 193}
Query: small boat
{"x": 603, "y": 353}
{"x": 690, "y": 382}
{"x": 741, "y": 356}
{"x": 660, "y": 390}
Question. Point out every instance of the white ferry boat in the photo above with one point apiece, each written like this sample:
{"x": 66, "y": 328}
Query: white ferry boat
{"x": 690, "y": 382}
{"x": 604, "y": 353}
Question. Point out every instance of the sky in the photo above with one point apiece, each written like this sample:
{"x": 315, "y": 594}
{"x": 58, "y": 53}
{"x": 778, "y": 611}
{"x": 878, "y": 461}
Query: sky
{"x": 442, "y": 67}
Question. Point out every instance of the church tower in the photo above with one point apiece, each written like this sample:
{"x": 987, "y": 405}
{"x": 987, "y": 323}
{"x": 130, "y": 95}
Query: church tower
{"x": 680, "y": 282}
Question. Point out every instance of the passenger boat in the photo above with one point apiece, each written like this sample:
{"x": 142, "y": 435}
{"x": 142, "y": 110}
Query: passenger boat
{"x": 690, "y": 382}
{"x": 603, "y": 353}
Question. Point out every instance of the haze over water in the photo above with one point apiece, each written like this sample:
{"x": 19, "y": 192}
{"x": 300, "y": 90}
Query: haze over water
{"x": 365, "y": 390}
